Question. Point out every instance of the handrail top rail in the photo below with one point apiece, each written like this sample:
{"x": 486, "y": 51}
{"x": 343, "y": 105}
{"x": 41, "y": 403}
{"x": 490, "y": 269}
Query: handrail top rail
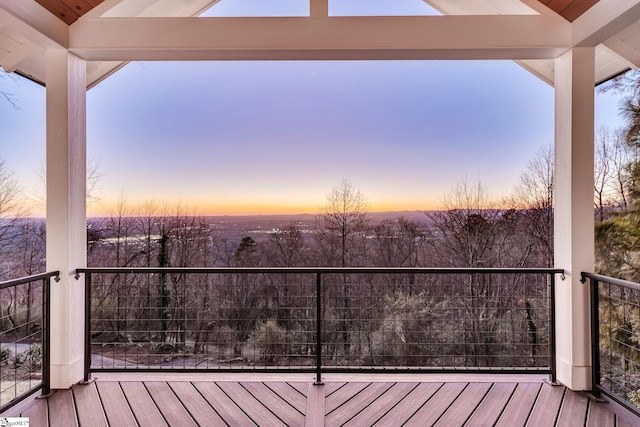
{"x": 28, "y": 279}
{"x": 315, "y": 270}
{"x": 611, "y": 280}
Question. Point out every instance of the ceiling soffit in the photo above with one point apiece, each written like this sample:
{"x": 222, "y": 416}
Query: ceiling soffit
{"x": 569, "y": 9}
{"x": 68, "y": 11}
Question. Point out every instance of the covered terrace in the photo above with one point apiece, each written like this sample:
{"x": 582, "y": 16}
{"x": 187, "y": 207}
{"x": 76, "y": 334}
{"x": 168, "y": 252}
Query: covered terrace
{"x": 71, "y": 45}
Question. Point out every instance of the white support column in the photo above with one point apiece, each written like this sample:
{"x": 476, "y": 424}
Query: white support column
{"x": 66, "y": 211}
{"x": 574, "y": 217}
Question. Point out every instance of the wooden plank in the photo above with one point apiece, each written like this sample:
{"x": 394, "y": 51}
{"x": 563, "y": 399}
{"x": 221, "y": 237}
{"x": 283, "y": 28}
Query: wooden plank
{"x": 600, "y": 415}
{"x": 382, "y": 405}
{"x": 253, "y": 408}
{"x": 170, "y": 406}
{"x": 332, "y": 387}
{"x": 197, "y": 406}
{"x": 464, "y": 405}
{"x": 300, "y": 387}
{"x": 115, "y": 405}
{"x": 577, "y": 8}
{"x": 342, "y": 395}
{"x": 88, "y": 406}
{"x": 290, "y": 394}
{"x": 401, "y": 412}
{"x": 520, "y": 405}
{"x": 314, "y": 414}
{"x": 280, "y": 406}
{"x": 144, "y": 408}
{"x": 574, "y": 409}
{"x": 545, "y": 411}
{"x": 223, "y": 405}
{"x": 357, "y": 404}
{"x": 627, "y": 422}
{"x": 433, "y": 409}
{"x": 491, "y": 407}
{"x": 62, "y": 411}
{"x": 38, "y": 414}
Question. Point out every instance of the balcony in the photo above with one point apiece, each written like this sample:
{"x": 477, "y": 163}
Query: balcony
{"x": 155, "y": 354}
{"x": 71, "y": 58}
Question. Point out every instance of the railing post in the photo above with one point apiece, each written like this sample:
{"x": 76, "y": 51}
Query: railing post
{"x": 552, "y": 326}
{"x": 595, "y": 337}
{"x": 46, "y": 344}
{"x": 87, "y": 327}
{"x": 318, "y": 329}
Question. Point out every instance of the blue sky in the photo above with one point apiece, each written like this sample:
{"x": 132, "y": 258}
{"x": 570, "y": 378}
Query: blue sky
{"x": 274, "y": 137}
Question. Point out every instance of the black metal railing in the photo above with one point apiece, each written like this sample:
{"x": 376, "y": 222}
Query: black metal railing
{"x": 24, "y": 342}
{"x": 320, "y": 319}
{"x": 615, "y": 338}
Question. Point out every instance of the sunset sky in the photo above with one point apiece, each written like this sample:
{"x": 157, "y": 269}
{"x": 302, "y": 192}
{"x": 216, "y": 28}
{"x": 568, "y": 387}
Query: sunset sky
{"x": 274, "y": 137}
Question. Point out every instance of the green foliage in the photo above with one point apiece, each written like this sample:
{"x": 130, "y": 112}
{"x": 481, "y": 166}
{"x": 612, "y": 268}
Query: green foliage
{"x": 270, "y": 339}
{"x": 32, "y": 358}
{"x": 405, "y": 334}
{"x": 634, "y": 397}
{"x": 5, "y": 355}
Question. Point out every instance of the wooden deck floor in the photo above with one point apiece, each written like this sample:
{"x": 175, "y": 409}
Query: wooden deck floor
{"x": 293, "y": 400}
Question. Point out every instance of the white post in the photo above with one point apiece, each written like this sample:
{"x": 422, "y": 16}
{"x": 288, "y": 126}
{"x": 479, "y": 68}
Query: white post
{"x": 66, "y": 211}
{"x": 574, "y": 214}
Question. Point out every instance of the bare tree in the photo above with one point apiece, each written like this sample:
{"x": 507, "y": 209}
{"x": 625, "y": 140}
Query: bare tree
{"x": 341, "y": 241}
{"x": 341, "y": 224}
{"x": 7, "y": 96}
{"x": 533, "y": 198}
{"x": 464, "y": 230}
{"x": 399, "y": 242}
{"x": 12, "y": 210}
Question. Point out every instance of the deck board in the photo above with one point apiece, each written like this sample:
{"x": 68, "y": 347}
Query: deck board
{"x": 115, "y": 405}
{"x": 464, "y": 405}
{"x": 520, "y": 405}
{"x": 253, "y": 408}
{"x": 164, "y": 399}
{"x": 170, "y": 406}
{"x": 574, "y": 409}
{"x": 88, "y": 405}
{"x": 293, "y": 396}
{"x": 38, "y": 414}
{"x": 413, "y": 401}
{"x": 223, "y": 405}
{"x": 142, "y": 405}
{"x": 65, "y": 411}
{"x": 196, "y": 405}
{"x": 546, "y": 409}
{"x": 343, "y": 395}
{"x": 600, "y": 416}
{"x": 278, "y": 405}
{"x": 358, "y": 403}
{"x": 491, "y": 407}
{"x": 301, "y": 387}
{"x": 382, "y": 405}
{"x": 314, "y": 414}
{"x": 433, "y": 409}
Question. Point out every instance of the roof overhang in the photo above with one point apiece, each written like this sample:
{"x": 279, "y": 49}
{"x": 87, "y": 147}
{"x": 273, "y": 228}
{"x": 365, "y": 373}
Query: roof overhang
{"x": 115, "y": 31}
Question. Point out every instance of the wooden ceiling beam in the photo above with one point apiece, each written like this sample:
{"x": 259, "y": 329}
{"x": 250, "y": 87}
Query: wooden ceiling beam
{"x": 604, "y": 20}
{"x": 415, "y": 37}
{"x": 34, "y": 22}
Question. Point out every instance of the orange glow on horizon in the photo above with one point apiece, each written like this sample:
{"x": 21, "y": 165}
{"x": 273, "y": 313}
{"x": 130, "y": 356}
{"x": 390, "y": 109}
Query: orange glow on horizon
{"x": 219, "y": 208}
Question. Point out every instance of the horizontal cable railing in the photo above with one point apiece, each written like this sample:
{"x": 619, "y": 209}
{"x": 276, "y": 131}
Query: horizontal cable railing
{"x": 320, "y": 319}
{"x": 615, "y": 337}
{"x": 25, "y": 340}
